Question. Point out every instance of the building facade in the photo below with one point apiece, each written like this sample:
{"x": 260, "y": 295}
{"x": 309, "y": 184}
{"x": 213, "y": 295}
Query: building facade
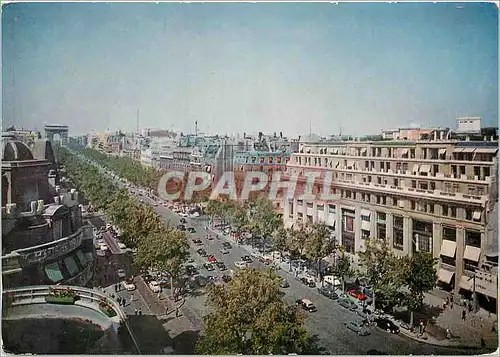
{"x": 430, "y": 195}
{"x": 44, "y": 239}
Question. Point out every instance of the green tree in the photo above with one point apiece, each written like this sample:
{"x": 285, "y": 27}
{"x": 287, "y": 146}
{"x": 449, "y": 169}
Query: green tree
{"x": 249, "y": 316}
{"x": 281, "y": 239}
{"x": 343, "y": 268}
{"x": 318, "y": 244}
{"x": 419, "y": 278}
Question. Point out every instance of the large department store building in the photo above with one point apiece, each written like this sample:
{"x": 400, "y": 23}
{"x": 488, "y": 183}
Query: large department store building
{"x": 435, "y": 194}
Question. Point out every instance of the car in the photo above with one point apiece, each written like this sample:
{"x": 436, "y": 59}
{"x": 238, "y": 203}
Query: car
{"x": 103, "y": 247}
{"x": 224, "y": 251}
{"x": 210, "y": 237}
{"x": 183, "y": 220}
{"x": 264, "y": 261}
{"x": 386, "y": 324}
{"x": 154, "y": 286}
{"x": 283, "y": 283}
{"x": 221, "y": 266}
{"x": 226, "y": 278}
{"x": 128, "y": 285}
{"x": 122, "y": 246}
{"x": 240, "y": 265}
{"x": 328, "y": 293}
{"x": 308, "y": 282}
{"x": 212, "y": 258}
{"x": 358, "y": 294}
{"x": 348, "y": 303}
{"x": 202, "y": 252}
{"x": 191, "y": 270}
{"x": 227, "y": 245}
{"x": 181, "y": 227}
{"x": 306, "y": 304}
{"x": 191, "y": 230}
{"x": 364, "y": 313}
{"x": 190, "y": 260}
{"x": 209, "y": 267}
{"x": 147, "y": 278}
{"x": 246, "y": 258}
{"x": 358, "y": 327}
{"x": 197, "y": 242}
{"x": 121, "y": 274}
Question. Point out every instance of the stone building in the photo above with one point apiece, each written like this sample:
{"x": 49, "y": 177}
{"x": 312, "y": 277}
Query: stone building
{"x": 44, "y": 238}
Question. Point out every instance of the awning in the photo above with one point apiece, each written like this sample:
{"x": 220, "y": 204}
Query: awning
{"x": 442, "y": 151}
{"x": 448, "y": 248}
{"x": 466, "y": 282}
{"x": 472, "y": 253}
{"x": 71, "y": 265}
{"x": 415, "y": 168}
{"x": 365, "y": 212}
{"x": 53, "y": 272}
{"x": 469, "y": 150}
{"x": 458, "y": 150}
{"x": 425, "y": 168}
{"x": 81, "y": 257}
{"x": 445, "y": 275}
{"x": 476, "y": 216}
{"x": 365, "y": 225}
{"x": 486, "y": 150}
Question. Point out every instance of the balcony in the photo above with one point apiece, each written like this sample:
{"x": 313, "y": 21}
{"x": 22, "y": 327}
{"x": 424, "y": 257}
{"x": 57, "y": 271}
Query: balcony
{"x": 52, "y": 250}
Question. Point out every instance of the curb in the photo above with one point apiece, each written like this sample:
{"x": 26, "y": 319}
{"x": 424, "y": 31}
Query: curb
{"x": 436, "y": 343}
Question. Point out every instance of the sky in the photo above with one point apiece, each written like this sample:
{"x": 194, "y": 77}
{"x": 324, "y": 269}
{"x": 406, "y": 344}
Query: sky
{"x": 246, "y": 67}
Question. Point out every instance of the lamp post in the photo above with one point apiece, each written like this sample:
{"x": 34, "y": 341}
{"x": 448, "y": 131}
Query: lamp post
{"x": 474, "y": 295}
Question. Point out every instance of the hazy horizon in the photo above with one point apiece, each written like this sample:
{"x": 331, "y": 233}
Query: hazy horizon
{"x": 243, "y": 67}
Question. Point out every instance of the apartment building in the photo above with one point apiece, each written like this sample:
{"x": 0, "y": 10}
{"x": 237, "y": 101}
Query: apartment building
{"x": 433, "y": 195}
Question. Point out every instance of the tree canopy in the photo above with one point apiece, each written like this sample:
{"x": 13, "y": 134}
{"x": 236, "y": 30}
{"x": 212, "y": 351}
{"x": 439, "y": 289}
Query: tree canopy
{"x": 249, "y": 316}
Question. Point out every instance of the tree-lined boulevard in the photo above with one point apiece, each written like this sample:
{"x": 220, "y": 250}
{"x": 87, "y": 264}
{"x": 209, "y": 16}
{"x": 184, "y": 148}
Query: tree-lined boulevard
{"x": 249, "y": 315}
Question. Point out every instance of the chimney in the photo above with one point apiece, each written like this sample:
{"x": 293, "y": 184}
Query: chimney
{"x": 281, "y": 134}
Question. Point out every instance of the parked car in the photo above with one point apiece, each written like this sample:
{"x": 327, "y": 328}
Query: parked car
{"x": 103, "y": 246}
{"x": 226, "y": 278}
{"x": 358, "y": 327}
{"x": 240, "y": 265}
{"x": 191, "y": 230}
{"x": 246, "y": 258}
{"x": 147, "y": 278}
{"x": 191, "y": 270}
{"x": 128, "y": 285}
{"x": 183, "y": 220}
{"x": 190, "y": 260}
{"x": 181, "y": 227}
{"x": 348, "y": 304}
{"x": 388, "y": 325}
{"x": 121, "y": 274}
{"x": 197, "y": 242}
{"x": 306, "y": 304}
{"x": 209, "y": 267}
{"x": 224, "y": 251}
{"x": 154, "y": 286}
{"x": 212, "y": 258}
{"x": 227, "y": 245}
{"x": 358, "y": 294}
{"x": 308, "y": 282}
{"x": 202, "y": 252}
{"x": 328, "y": 293}
{"x": 364, "y": 313}
{"x": 221, "y": 266}
{"x": 121, "y": 245}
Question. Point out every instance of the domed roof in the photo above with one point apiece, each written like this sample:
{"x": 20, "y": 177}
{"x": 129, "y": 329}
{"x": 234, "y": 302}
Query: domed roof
{"x": 13, "y": 150}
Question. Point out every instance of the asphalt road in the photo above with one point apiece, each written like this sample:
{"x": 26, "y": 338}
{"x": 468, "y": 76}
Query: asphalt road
{"x": 327, "y": 324}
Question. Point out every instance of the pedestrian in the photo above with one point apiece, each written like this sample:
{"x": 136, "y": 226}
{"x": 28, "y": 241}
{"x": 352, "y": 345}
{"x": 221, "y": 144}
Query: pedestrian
{"x": 176, "y": 312}
{"x": 483, "y": 342}
{"x": 140, "y": 312}
{"x": 131, "y": 297}
{"x": 463, "y": 314}
{"x": 166, "y": 310}
{"x": 116, "y": 288}
{"x": 448, "y": 333}
{"x": 135, "y": 311}
{"x": 470, "y": 307}
{"x": 451, "y": 299}
{"x": 159, "y": 295}
{"x": 119, "y": 299}
{"x": 124, "y": 302}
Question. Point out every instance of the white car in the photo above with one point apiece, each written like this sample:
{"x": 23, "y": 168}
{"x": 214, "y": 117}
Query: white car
{"x": 121, "y": 245}
{"x": 182, "y": 214}
{"x": 154, "y": 286}
{"x": 128, "y": 286}
{"x": 195, "y": 214}
{"x": 240, "y": 265}
{"x": 224, "y": 251}
{"x": 103, "y": 247}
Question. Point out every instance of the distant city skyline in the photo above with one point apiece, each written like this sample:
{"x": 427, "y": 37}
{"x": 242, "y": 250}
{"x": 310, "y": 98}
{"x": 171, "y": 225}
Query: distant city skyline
{"x": 242, "y": 67}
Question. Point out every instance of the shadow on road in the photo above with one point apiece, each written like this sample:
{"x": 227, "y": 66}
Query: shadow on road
{"x": 150, "y": 334}
{"x": 313, "y": 347}
{"x": 185, "y": 342}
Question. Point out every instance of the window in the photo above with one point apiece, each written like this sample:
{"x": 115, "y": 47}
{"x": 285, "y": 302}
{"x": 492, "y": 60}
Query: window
{"x": 320, "y": 207}
{"x": 290, "y": 204}
{"x": 453, "y": 212}
{"x": 473, "y": 238}
{"x": 486, "y": 171}
{"x": 412, "y": 205}
{"x": 309, "y": 204}
{"x": 444, "y": 209}
{"x": 396, "y": 182}
{"x": 348, "y": 243}
{"x": 472, "y": 190}
{"x": 431, "y": 208}
{"x": 480, "y": 191}
{"x": 422, "y": 236}
{"x": 379, "y": 180}
{"x": 299, "y": 202}
{"x": 365, "y": 234}
{"x": 433, "y": 186}
{"x": 450, "y": 233}
{"x": 394, "y": 201}
{"x": 424, "y": 186}
{"x": 381, "y": 231}
{"x": 398, "y": 232}
{"x": 468, "y": 214}
{"x": 414, "y": 183}
{"x": 331, "y": 208}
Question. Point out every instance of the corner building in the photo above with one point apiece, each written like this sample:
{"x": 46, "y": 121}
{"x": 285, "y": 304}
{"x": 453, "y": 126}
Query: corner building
{"x": 434, "y": 195}
{"x": 44, "y": 238}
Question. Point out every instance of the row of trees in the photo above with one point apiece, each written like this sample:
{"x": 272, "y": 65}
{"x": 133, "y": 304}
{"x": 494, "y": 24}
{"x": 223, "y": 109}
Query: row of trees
{"x": 159, "y": 246}
{"x": 248, "y": 315}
